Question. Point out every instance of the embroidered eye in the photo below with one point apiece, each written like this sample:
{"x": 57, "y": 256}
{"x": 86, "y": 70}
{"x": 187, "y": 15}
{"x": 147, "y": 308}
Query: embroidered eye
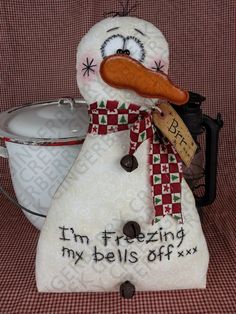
{"x": 136, "y": 48}
{"x": 112, "y": 44}
{"x": 118, "y": 44}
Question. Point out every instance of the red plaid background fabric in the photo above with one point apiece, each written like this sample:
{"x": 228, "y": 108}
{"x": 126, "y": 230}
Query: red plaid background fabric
{"x": 38, "y": 49}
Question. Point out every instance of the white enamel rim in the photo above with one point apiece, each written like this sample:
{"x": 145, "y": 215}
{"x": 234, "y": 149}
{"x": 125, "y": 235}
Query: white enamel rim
{"x": 9, "y": 137}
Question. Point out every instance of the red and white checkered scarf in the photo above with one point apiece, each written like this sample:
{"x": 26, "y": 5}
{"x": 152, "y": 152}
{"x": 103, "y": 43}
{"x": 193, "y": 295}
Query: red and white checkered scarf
{"x": 165, "y": 165}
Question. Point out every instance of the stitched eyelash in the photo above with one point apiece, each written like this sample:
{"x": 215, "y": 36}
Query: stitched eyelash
{"x": 107, "y": 40}
{"x": 158, "y": 66}
{"x": 88, "y": 67}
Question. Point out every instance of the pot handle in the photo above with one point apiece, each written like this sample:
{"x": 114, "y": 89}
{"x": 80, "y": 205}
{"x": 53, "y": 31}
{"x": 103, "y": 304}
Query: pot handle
{"x": 4, "y": 192}
{"x": 67, "y": 100}
{"x": 3, "y": 152}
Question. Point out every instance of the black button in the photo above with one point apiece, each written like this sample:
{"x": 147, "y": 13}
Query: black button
{"x": 129, "y": 163}
{"x": 131, "y": 229}
{"x": 127, "y": 290}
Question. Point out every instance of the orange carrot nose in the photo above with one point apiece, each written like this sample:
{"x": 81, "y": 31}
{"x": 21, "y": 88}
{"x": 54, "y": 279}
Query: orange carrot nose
{"x": 122, "y": 71}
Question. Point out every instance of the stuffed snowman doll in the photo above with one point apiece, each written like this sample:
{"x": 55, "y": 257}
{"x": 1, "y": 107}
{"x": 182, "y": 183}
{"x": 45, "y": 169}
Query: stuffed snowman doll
{"x": 124, "y": 218}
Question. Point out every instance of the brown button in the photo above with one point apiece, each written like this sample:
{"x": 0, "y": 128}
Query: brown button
{"x": 129, "y": 163}
{"x": 127, "y": 290}
{"x": 131, "y": 229}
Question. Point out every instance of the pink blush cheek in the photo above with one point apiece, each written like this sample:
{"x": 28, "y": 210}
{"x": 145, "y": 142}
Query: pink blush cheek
{"x": 84, "y": 74}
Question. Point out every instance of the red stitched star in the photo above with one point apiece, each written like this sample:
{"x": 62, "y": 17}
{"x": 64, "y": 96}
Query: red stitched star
{"x": 132, "y": 145}
{"x": 164, "y": 168}
{"x": 166, "y": 187}
{"x": 168, "y": 209}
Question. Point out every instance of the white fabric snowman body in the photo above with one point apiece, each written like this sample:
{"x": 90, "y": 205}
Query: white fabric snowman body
{"x": 82, "y": 246}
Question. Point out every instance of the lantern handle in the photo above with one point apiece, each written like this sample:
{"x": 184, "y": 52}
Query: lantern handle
{"x": 212, "y": 127}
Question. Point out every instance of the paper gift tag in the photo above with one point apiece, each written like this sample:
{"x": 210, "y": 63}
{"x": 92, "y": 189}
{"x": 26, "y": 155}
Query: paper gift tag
{"x": 173, "y": 127}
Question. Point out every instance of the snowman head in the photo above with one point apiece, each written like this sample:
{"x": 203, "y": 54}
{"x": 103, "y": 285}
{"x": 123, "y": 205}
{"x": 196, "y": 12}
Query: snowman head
{"x": 120, "y": 58}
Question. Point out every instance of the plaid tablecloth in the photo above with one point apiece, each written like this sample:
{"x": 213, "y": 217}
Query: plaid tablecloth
{"x": 38, "y": 48}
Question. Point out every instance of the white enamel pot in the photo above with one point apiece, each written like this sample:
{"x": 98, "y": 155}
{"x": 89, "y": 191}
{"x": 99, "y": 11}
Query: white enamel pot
{"x": 42, "y": 140}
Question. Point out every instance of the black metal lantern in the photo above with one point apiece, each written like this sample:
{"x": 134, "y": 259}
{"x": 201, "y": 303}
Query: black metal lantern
{"x": 202, "y": 173}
